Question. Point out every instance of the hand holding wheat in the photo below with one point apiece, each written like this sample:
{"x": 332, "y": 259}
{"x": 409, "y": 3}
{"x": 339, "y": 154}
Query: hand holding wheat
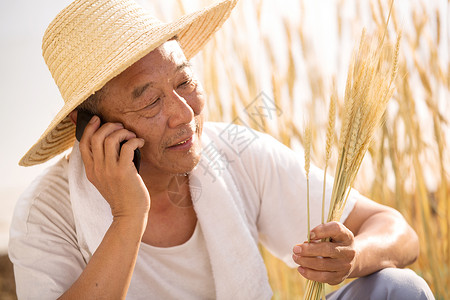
{"x": 337, "y": 257}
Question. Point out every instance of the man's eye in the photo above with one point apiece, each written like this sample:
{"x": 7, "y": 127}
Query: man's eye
{"x": 184, "y": 83}
{"x": 153, "y": 102}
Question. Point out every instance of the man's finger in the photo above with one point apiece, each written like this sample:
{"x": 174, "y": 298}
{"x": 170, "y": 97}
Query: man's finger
{"x": 85, "y": 142}
{"x": 327, "y": 277}
{"x": 334, "y": 230}
{"x": 324, "y": 249}
{"x": 127, "y": 152}
{"x": 112, "y": 143}
{"x": 98, "y": 140}
{"x": 318, "y": 263}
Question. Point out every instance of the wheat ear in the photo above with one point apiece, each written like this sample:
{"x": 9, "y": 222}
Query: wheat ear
{"x": 328, "y": 144}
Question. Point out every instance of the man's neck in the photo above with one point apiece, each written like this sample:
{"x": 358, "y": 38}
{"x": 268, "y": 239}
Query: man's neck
{"x": 172, "y": 218}
{"x": 167, "y": 190}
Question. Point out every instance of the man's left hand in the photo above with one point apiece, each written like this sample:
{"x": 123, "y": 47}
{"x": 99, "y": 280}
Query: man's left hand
{"x": 330, "y": 262}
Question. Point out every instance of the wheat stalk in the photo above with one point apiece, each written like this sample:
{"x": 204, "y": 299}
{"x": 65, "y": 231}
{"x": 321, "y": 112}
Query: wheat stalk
{"x": 307, "y": 166}
{"x": 368, "y": 89}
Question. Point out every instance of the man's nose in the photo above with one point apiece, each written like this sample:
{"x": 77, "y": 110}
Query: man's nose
{"x": 180, "y": 112}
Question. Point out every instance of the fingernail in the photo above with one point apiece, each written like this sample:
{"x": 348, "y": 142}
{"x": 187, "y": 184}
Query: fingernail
{"x": 297, "y": 249}
{"x": 312, "y": 235}
{"x": 93, "y": 119}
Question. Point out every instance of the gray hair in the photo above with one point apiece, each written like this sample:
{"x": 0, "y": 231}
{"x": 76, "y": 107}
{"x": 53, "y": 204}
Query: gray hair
{"x": 92, "y": 102}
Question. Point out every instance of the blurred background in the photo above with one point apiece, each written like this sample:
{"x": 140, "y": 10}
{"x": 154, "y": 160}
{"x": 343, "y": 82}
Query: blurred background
{"x": 291, "y": 51}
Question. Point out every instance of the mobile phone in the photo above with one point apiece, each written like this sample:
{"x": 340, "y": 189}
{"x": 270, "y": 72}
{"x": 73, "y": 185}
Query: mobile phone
{"x": 83, "y": 118}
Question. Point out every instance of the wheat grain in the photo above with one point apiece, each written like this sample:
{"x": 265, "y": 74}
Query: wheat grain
{"x": 328, "y": 143}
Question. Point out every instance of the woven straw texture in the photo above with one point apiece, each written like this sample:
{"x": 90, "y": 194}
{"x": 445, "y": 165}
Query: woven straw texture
{"x": 91, "y": 42}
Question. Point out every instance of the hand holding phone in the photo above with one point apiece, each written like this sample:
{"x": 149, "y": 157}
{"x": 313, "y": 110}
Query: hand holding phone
{"x": 83, "y": 118}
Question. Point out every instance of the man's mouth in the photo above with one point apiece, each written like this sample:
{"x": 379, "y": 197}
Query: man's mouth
{"x": 187, "y": 141}
{"x": 183, "y": 144}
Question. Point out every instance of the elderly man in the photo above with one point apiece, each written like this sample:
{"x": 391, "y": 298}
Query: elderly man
{"x": 93, "y": 226}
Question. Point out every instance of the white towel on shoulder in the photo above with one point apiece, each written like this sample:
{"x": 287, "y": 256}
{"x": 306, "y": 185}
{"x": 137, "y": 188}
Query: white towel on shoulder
{"x": 238, "y": 268}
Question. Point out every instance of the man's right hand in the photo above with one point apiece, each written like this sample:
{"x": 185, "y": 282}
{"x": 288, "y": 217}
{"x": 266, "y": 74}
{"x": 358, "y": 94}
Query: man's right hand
{"x": 108, "y": 273}
{"x": 114, "y": 175}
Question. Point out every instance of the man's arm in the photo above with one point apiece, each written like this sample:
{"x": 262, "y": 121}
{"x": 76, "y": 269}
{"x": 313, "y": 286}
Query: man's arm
{"x": 373, "y": 237}
{"x": 108, "y": 273}
{"x": 382, "y": 238}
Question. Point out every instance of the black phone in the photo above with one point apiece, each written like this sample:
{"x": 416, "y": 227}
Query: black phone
{"x": 83, "y": 118}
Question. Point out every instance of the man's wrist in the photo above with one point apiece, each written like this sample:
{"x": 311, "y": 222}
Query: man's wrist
{"x": 130, "y": 224}
{"x": 359, "y": 262}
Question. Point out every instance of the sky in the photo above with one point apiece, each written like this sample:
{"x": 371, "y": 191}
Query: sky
{"x": 27, "y": 89}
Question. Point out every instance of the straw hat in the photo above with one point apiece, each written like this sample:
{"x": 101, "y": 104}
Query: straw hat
{"x": 91, "y": 42}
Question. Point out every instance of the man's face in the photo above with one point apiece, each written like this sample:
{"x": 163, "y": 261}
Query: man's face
{"x": 160, "y": 100}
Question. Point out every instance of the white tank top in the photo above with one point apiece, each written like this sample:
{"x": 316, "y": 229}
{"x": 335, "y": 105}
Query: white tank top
{"x": 179, "y": 272}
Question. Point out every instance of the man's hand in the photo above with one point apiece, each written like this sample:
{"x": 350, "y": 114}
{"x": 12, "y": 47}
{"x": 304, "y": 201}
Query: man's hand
{"x": 329, "y": 262}
{"x": 109, "y": 271}
{"x": 112, "y": 174}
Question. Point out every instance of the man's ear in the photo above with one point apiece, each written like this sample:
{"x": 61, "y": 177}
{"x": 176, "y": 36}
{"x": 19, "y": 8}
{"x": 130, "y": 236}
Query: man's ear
{"x": 73, "y": 116}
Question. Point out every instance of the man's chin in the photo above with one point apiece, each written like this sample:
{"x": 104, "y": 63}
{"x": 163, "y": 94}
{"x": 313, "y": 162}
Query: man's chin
{"x": 187, "y": 164}
{"x": 184, "y": 169}
{"x": 192, "y": 164}
{"x": 195, "y": 154}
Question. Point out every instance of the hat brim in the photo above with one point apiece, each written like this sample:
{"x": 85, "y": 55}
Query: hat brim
{"x": 193, "y": 32}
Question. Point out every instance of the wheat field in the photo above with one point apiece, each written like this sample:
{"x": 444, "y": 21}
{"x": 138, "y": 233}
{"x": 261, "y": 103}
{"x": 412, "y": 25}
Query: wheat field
{"x": 292, "y": 52}
{"x": 407, "y": 164}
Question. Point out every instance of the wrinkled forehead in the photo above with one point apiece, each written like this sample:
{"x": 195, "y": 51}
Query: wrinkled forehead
{"x": 170, "y": 50}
